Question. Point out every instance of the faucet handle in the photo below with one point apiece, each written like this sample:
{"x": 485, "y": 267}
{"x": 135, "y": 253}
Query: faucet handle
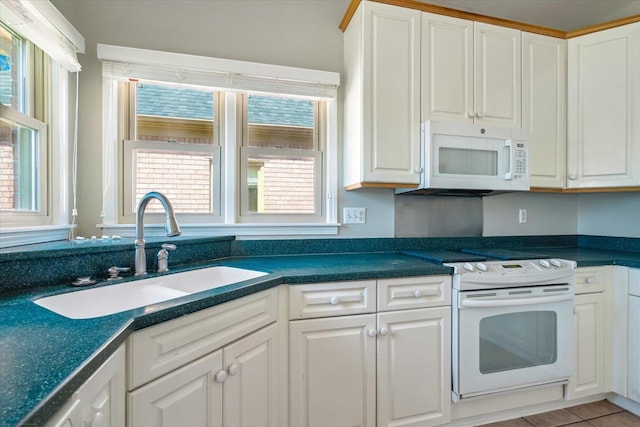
{"x": 114, "y": 271}
{"x": 163, "y": 257}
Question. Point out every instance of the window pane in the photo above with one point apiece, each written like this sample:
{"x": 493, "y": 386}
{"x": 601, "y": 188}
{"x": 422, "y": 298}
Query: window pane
{"x": 11, "y": 70}
{"x": 169, "y": 113}
{"x": 185, "y": 178}
{"x": 281, "y": 185}
{"x": 19, "y": 171}
{"x": 275, "y": 122}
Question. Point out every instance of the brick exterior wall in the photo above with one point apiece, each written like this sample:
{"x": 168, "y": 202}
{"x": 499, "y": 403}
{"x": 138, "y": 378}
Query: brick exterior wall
{"x": 184, "y": 178}
{"x": 288, "y": 186}
{"x": 6, "y": 177}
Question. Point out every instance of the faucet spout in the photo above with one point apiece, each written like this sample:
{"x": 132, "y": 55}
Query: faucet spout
{"x": 171, "y": 226}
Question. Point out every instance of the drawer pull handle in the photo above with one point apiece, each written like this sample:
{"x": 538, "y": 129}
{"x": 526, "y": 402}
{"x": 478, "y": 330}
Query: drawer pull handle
{"x": 590, "y": 280}
{"x": 334, "y": 301}
{"x": 221, "y": 376}
{"x": 417, "y": 293}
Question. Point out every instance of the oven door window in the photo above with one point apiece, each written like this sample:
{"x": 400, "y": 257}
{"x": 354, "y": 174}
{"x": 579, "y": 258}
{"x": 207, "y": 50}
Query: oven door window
{"x": 517, "y": 340}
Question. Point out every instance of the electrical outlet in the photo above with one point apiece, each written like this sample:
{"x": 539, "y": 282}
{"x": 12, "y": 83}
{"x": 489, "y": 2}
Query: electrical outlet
{"x": 354, "y": 216}
{"x": 522, "y": 216}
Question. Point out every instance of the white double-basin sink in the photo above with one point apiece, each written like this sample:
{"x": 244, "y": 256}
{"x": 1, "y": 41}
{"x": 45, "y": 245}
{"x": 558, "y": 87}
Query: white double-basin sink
{"x": 105, "y": 300}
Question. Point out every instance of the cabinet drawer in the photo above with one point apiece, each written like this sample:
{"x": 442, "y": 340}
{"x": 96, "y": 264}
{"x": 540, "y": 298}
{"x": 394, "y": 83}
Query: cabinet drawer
{"x": 332, "y": 299}
{"x": 414, "y": 292}
{"x": 154, "y": 351}
{"x": 591, "y": 279}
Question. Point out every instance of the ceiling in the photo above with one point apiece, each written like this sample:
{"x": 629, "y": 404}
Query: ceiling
{"x": 564, "y": 15}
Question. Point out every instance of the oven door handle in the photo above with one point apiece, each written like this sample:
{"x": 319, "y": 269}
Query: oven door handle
{"x": 510, "y": 302}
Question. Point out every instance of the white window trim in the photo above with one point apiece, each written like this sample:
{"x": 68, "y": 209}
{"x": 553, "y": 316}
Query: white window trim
{"x": 120, "y": 63}
{"x": 57, "y": 226}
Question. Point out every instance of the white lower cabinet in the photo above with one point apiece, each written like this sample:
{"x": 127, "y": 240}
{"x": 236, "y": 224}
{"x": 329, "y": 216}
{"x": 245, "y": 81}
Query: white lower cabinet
{"x": 590, "y": 366}
{"x": 234, "y": 386}
{"x": 213, "y": 368}
{"x": 633, "y": 383}
{"x": 100, "y": 401}
{"x": 380, "y": 369}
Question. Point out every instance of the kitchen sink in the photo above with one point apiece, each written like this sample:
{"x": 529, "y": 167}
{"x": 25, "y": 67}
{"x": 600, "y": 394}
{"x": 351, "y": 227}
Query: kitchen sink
{"x": 106, "y": 300}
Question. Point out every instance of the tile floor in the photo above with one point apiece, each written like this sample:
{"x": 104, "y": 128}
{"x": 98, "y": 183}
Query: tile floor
{"x": 597, "y": 414}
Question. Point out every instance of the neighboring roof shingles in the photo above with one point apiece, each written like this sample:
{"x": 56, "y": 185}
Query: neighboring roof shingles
{"x": 165, "y": 101}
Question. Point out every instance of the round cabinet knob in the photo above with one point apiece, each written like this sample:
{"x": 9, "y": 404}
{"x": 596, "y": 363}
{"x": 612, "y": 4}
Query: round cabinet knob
{"x": 471, "y": 115}
{"x": 334, "y": 301}
{"x": 544, "y": 263}
{"x": 590, "y": 280}
{"x": 481, "y": 266}
{"x": 468, "y": 266}
{"x": 384, "y": 331}
{"x": 99, "y": 420}
{"x": 221, "y": 376}
{"x": 233, "y": 369}
{"x": 417, "y": 293}
{"x": 479, "y": 115}
{"x": 573, "y": 177}
{"x": 372, "y": 332}
{"x": 417, "y": 170}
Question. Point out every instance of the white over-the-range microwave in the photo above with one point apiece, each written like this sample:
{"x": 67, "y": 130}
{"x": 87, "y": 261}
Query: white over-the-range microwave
{"x": 459, "y": 158}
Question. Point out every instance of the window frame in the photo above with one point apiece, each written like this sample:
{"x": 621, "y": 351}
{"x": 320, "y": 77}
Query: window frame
{"x": 232, "y": 77}
{"x": 246, "y": 216}
{"x": 127, "y": 204}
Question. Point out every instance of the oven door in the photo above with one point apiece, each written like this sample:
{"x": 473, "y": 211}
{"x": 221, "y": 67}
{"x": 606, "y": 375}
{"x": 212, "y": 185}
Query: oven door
{"x": 512, "y": 338}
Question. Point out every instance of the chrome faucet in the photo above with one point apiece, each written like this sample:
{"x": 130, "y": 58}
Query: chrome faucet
{"x": 171, "y": 225}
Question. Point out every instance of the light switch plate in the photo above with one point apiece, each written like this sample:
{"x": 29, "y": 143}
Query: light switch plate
{"x": 354, "y": 216}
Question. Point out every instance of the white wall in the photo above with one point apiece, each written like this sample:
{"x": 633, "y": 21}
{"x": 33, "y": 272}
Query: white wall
{"x": 609, "y": 214}
{"x": 293, "y": 33}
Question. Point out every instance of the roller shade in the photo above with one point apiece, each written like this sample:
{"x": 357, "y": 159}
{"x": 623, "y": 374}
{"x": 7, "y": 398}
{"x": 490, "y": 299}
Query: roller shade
{"x": 129, "y": 63}
{"x": 41, "y": 23}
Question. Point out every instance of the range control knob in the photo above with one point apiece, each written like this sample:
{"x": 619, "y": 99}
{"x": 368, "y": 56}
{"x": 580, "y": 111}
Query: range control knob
{"x": 544, "y": 263}
{"x": 481, "y": 266}
{"x": 468, "y": 266}
{"x": 556, "y": 262}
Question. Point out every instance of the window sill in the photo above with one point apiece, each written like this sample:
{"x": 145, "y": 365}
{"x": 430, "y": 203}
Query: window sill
{"x": 19, "y": 236}
{"x": 250, "y": 230}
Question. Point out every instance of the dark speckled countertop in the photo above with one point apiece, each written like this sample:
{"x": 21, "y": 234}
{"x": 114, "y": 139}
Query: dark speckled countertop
{"x": 45, "y": 357}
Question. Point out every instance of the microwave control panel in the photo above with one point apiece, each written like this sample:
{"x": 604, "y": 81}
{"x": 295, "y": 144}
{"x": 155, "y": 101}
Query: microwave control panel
{"x": 520, "y": 164}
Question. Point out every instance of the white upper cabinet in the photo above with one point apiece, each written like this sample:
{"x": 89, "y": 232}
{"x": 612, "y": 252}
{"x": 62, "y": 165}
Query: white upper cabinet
{"x": 544, "y": 104}
{"x": 382, "y": 97}
{"x": 603, "y": 147}
{"x": 471, "y": 71}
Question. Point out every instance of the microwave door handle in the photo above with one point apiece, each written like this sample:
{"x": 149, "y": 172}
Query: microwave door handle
{"x": 507, "y": 143}
{"x": 510, "y": 302}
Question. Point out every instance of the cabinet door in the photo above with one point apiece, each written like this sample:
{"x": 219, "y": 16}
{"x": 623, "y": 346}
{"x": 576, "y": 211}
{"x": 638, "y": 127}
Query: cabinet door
{"x": 251, "y": 386}
{"x": 633, "y": 382}
{"x": 414, "y": 367}
{"x": 189, "y": 396}
{"x": 604, "y": 97}
{"x": 497, "y": 75}
{"x": 544, "y": 108}
{"x": 391, "y": 94}
{"x": 332, "y": 372}
{"x": 588, "y": 339}
{"x": 100, "y": 401}
{"x": 447, "y": 68}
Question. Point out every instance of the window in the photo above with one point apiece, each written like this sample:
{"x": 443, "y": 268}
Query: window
{"x": 246, "y": 148}
{"x": 281, "y": 158}
{"x": 38, "y": 49}
{"x": 173, "y": 148}
{"x": 23, "y": 131}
